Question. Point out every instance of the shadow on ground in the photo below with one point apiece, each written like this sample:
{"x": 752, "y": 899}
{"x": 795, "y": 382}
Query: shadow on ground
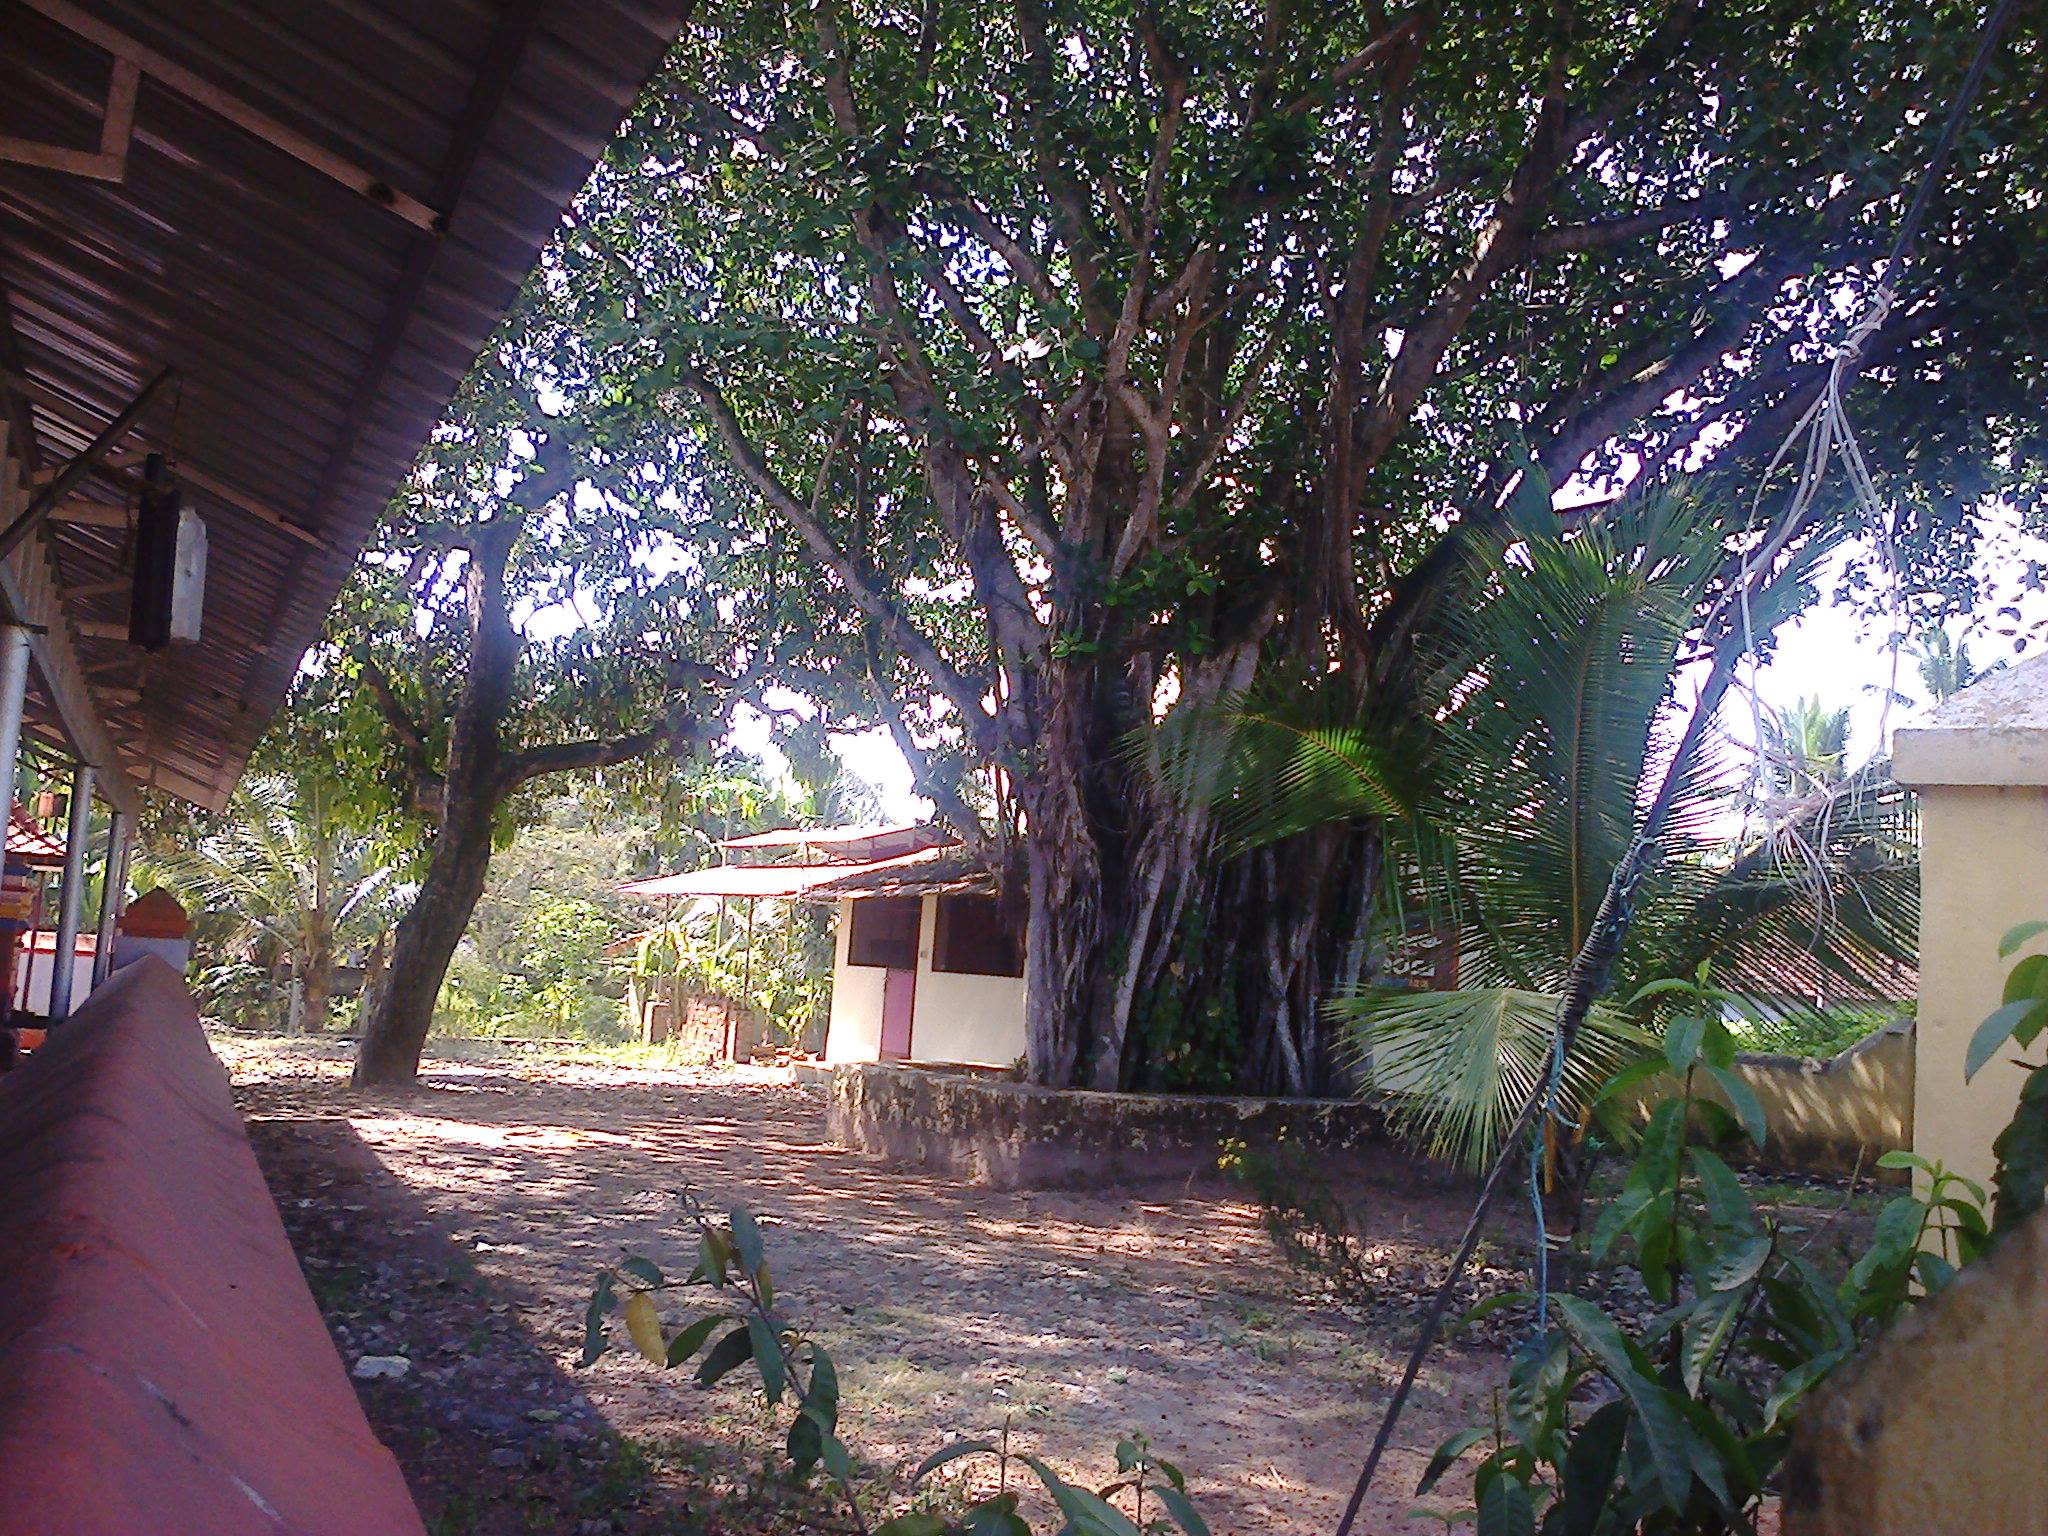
{"x": 463, "y": 1226}
{"x": 494, "y": 1435}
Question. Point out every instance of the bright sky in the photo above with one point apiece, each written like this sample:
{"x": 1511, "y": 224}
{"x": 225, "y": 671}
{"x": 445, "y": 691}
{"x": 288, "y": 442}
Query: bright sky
{"x": 1831, "y": 653}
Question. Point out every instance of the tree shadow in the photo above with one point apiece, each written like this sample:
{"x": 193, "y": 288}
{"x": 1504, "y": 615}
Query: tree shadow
{"x": 494, "y": 1435}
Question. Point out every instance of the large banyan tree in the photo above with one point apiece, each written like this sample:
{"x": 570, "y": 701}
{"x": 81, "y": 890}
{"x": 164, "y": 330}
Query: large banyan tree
{"x": 1080, "y": 360}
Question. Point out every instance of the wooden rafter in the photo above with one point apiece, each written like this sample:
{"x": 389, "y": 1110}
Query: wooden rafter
{"x": 147, "y": 61}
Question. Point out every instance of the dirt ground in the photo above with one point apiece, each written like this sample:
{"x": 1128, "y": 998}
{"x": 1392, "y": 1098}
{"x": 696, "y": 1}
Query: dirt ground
{"x": 462, "y": 1227}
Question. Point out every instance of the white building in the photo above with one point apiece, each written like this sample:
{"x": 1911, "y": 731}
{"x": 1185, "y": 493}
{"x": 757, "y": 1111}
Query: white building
{"x": 928, "y": 966}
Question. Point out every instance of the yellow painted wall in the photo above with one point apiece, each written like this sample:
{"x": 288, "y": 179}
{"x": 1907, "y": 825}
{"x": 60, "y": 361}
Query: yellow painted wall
{"x": 1831, "y": 1115}
{"x": 1983, "y": 868}
{"x": 971, "y": 1020}
{"x": 1980, "y": 764}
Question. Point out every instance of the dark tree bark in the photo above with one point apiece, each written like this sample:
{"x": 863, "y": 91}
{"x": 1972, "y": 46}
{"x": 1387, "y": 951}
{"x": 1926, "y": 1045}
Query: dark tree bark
{"x": 481, "y": 772}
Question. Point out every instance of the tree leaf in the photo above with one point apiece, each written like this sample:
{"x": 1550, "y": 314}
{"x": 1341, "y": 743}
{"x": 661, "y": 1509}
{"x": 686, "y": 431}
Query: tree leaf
{"x": 643, "y": 1325}
{"x": 995, "y": 1517}
{"x": 1446, "y": 1456}
{"x": 2018, "y": 934}
{"x": 746, "y": 1239}
{"x": 1658, "y": 1422}
{"x": 1182, "y": 1509}
{"x": 1742, "y": 1098}
{"x": 822, "y": 1396}
{"x": 1682, "y": 1041}
{"x": 768, "y": 1356}
{"x": 602, "y": 1300}
{"x": 1505, "y": 1509}
{"x": 946, "y": 1454}
{"x": 919, "y": 1522}
{"x": 1087, "y": 1513}
{"x": 1999, "y": 1026}
{"x": 1706, "y": 1329}
{"x": 1727, "y": 1202}
{"x": 2021, "y": 1151}
{"x": 1738, "y": 1265}
{"x": 641, "y": 1269}
{"x": 691, "y": 1339}
{"x": 805, "y": 1445}
{"x": 1794, "y": 1383}
{"x": 727, "y": 1356}
{"x": 1589, "y": 1466}
{"x": 2027, "y": 978}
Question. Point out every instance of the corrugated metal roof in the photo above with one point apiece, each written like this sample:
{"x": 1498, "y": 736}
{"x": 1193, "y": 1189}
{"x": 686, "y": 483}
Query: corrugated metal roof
{"x": 849, "y": 842}
{"x": 317, "y": 332}
{"x": 927, "y": 870}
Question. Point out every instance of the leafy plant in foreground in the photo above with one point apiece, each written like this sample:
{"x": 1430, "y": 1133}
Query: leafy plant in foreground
{"x": 793, "y": 1366}
{"x": 1679, "y": 1425}
{"x": 2022, "y": 1147}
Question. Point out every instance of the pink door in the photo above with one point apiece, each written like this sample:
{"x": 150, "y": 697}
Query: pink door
{"x": 899, "y": 993}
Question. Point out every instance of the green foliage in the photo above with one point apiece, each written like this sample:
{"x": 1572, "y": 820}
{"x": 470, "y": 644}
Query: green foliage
{"x": 1311, "y": 1226}
{"x": 1551, "y": 721}
{"x": 1193, "y": 1042}
{"x": 745, "y": 1324}
{"x": 1695, "y": 1408}
{"x": 1050, "y": 364}
{"x": 2021, "y": 1149}
{"x": 285, "y": 885}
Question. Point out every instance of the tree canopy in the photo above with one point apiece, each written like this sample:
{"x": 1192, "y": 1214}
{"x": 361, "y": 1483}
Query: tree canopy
{"x": 1013, "y": 372}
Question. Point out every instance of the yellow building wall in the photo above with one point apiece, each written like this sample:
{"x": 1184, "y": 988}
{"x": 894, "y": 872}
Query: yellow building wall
{"x": 1983, "y": 868}
{"x": 956, "y": 1018}
{"x": 1980, "y": 764}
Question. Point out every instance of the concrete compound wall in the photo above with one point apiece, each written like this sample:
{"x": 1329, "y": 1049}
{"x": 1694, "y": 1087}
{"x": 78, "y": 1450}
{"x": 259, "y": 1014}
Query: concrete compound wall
{"x": 1823, "y": 1116}
{"x": 1009, "y": 1135}
{"x": 163, "y": 1368}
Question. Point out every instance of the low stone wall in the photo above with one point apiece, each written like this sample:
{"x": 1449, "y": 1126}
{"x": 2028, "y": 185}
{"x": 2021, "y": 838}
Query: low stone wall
{"x": 1825, "y": 1116}
{"x": 162, "y": 1366}
{"x": 987, "y": 1129}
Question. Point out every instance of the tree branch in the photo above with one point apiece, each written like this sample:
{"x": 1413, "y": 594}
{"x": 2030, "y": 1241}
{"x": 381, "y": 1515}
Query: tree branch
{"x": 404, "y": 729}
{"x": 960, "y": 690}
{"x": 1597, "y": 234}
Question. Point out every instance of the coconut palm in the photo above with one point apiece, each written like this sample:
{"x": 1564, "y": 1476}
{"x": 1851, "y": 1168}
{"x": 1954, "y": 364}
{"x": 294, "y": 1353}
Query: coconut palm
{"x": 1553, "y": 707}
{"x": 1805, "y": 747}
{"x": 1945, "y": 665}
{"x": 289, "y": 879}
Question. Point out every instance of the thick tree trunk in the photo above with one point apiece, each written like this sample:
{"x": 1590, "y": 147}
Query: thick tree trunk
{"x": 316, "y": 982}
{"x": 396, "y": 1029}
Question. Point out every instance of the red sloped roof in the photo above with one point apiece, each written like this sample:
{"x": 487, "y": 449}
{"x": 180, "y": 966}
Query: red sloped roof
{"x": 26, "y": 840}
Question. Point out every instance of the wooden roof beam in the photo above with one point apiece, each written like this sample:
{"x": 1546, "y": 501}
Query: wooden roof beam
{"x": 196, "y": 88}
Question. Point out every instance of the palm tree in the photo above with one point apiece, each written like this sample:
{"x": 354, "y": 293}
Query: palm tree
{"x": 1552, "y": 711}
{"x": 1805, "y": 747}
{"x": 1944, "y": 665}
{"x": 290, "y": 879}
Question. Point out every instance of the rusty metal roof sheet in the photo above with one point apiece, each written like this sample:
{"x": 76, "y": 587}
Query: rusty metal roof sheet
{"x": 318, "y": 327}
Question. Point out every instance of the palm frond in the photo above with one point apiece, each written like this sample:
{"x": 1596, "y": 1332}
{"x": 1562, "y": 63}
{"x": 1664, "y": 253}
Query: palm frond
{"x": 1268, "y": 766}
{"x": 1458, "y": 1065}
